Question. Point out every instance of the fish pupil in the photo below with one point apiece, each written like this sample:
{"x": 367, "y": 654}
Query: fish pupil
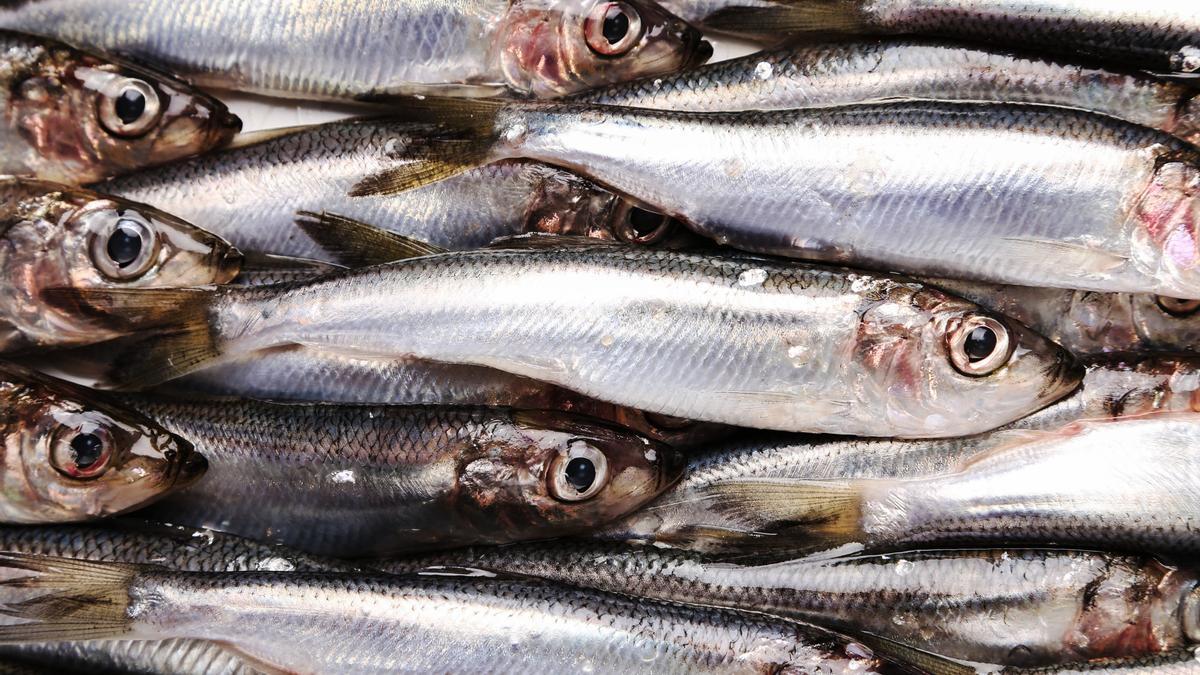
{"x": 130, "y": 106}
{"x": 125, "y": 245}
{"x": 643, "y": 222}
{"x": 581, "y": 473}
{"x": 980, "y": 343}
{"x": 616, "y": 27}
{"x": 87, "y": 449}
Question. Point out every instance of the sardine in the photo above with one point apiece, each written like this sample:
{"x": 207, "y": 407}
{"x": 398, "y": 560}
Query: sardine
{"x": 251, "y": 194}
{"x": 734, "y": 340}
{"x": 985, "y": 192}
{"x": 1180, "y": 662}
{"x": 876, "y": 71}
{"x": 695, "y": 514}
{"x": 52, "y": 235}
{"x": 1006, "y": 607}
{"x": 303, "y": 622}
{"x": 1158, "y": 35}
{"x": 76, "y": 117}
{"x": 71, "y": 456}
{"x": 373, "y": 48}
{"x": 357, "y": 480}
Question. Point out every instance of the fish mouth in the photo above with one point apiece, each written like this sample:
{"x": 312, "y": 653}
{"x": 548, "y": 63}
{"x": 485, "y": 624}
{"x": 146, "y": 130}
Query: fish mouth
{"x": 1063, "y": 376}
{"x": 226, "y": 126}
{"x": 191, "y": 465}
{"x": 227, "y": 262}
{"x": 701, "y": 51}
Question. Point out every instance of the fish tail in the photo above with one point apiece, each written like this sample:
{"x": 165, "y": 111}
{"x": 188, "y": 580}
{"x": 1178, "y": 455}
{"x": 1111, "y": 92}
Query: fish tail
{"x": 356, "y": 244}
{"x": 788, "y": 18}
{"x": 82, "y": 600}
{"x": 826, "y": 513}
{"x": 468, "y": 134}
{"x": 180, "y": 336}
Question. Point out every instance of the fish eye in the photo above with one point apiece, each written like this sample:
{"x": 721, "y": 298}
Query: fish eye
{"x": 81, "y": 453}
{"x": 636, "y": 225}
{"x": 612, "y": 28}
{"x": 579, "y": 474}
{"x": 979, "y": 346}
{"x": 127, "y": 249}
{"x": 130, "y": 107}
{"x": 1177, "y": 307}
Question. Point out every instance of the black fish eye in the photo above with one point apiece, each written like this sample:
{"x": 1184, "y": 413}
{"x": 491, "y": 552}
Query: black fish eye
{"x": 980, "y": 343}
{"x": 612, "y": 28}
{"x": 87, "y": 450}
{"x": 581, "y": 473}
{"x": 616, "y": 27}
{"x": 130, "y": 105}
{"x": 645, "y": 223}
{"x": 125, "y": 243}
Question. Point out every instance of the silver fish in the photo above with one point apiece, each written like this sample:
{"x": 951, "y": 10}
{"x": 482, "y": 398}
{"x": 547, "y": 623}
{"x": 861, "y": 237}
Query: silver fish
{"x": 52, "y": 235}
{"x": 1005, "y": 607}
{"x": 875, "y": 71}
{"x": 1158, "y": 35}
{"x": 964, "y": 190}
{"x": 251, "y": 194}
{"x": 75, "y": 117}
{"x": 817, "y": 349}
{"x": 371, "y": 48}
{"x": 329, "y": 623}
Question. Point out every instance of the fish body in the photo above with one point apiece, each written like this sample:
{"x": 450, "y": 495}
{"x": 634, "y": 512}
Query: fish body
{"x": 875, "y": 71}
{"x": 1015, "y": 608}
{"x": 71, "y": 456}
{"x": 52, "y": 236}
{"x": 371, "y": 48}
{"x": 356, "y": 480}
{"x": 76, "y": 117}
{"x": 816, "y": 348}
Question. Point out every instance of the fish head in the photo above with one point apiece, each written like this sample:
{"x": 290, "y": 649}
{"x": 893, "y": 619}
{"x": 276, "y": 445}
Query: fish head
{"x": 1165, "y": 239}
{"x": 561, "y": 473}
{"x": 59, "y": 236}
{"x": 551, "y": 48}
{"x": 1166, "y": 323}
{"x": 88, "y": 117}
{"x": 71, "y": 456}
{"x": 951, "y": 368}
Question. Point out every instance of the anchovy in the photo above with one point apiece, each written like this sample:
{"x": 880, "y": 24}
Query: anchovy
{"x": 876, "y": 71}
{"x": 974, "y": 191}
{"x": 373, "y": 48}
{"x": 817, "y": 349}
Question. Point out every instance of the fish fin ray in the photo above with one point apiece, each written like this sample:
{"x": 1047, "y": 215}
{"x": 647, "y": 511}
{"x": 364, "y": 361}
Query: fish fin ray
{"x": 1067, "y": 255}
{"x": 828, "y": 512}
{"x": 357, "y": 244}
{"x": 83, "y": 599}
{"x": 798, "y": 17}
{"x": 535, "y": 241}
{"x": 914, "y": 658}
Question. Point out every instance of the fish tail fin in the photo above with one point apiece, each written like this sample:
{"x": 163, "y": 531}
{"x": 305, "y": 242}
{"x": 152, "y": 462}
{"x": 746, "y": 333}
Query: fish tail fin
{"x": 786, "y": 18}
{"x": 181, "y": 336}
{"x": 469, "y": 133}
{"x": 356, "y": 244}
{"x": 827, "y": 513}
{"x": 82, "y": 600}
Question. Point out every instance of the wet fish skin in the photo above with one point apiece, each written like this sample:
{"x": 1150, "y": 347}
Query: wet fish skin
{"x": 1179, "y": 662}
{"x": 873, "y": 71}
{"x": 71, "y": 456}
{"x": 60, "y": 119}
{"x": 372, "y": 48}
{"x": 377, "y": 624}
{"x": 377, "y": 480}
{"x": 52, "y": 235}
{"x": 1007, "y": 607}
{"x": 825, "y": 339}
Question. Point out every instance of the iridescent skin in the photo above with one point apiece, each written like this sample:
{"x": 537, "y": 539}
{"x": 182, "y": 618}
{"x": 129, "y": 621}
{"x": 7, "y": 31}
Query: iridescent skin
{"x": 250, "y": 195}
{"x": 51, "y": 95}
{"x": 734, "y": 340}
{"x": 983, "y": 192}
{"x": 874, "y": 71}
{"x": 47, "y": 233}
{"x": 1006, "y": 607}
{"x": 364, "y": 48}
{"x": 41, "y": 416}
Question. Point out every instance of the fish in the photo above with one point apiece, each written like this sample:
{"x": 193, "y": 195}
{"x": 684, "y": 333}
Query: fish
{"x": 76, "y": 117}
{"x": 1088, "y": 322}
{"x": 368, "y": 50}
{"x": 977, "y": 191}
{"x": 702, "y": 512}
{"x": 1007, "y": 607}
{"x": 306, "y": 622}
{"x": 1179, "y": 662}
{"x": 71, "y": 456}
{"x": 351, "y": 481}
{"x": 1161, "y": 36}
{"x": 251, "y": 194}
{"x": 879, "y": 70}
{"x": 52, "y": 235}
{"x": 135, "y": 541}
{"x": 817, "y": 348}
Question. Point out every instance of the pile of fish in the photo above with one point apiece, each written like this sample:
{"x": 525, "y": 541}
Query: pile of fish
{"x": 876, "y": 351}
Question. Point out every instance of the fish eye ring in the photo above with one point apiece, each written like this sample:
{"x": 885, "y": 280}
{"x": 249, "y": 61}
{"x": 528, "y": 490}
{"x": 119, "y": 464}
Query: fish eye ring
{"x": 81, "y": 454}
{"x": 612, "y": 28}
{"x": 129, "y": 107}
{"x": 126, "y": 249}
{"x": 1177, "y": 307}
{"x": 635, "y": 225}
{"x": 979, "y": 346}
{"x": 579, "y": 474}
